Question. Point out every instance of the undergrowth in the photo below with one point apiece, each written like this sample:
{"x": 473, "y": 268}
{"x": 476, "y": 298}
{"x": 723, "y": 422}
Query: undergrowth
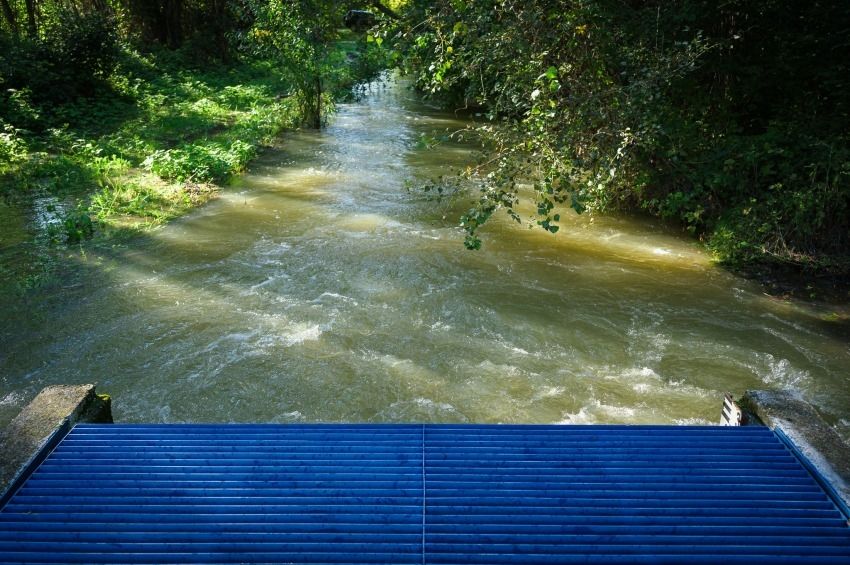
{"x": 145, "y": 148}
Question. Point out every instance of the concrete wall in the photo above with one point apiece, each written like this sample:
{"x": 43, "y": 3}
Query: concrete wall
{"x": 808, "y": 431}
{"x": 42, "y": 423}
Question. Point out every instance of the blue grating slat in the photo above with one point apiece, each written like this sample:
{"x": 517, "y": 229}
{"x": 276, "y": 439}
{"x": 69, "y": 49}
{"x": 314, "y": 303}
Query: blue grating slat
{"x": 421, "y": 494}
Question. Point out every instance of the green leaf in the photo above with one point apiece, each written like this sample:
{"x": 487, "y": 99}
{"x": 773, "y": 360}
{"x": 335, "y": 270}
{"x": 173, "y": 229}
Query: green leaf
{"x": 472, "y": 243}
{"x": 577, "y": 205}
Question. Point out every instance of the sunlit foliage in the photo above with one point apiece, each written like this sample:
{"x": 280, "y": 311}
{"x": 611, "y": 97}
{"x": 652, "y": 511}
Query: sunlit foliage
{"x": 123, "y": 114}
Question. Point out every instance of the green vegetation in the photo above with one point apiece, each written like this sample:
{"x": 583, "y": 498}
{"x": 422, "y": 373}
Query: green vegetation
{"x": 124, "y": 114}
{"x": 146, "y": 148}
{"x": 729, "y": 118}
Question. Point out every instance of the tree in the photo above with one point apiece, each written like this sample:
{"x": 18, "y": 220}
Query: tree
{"x": 32, "y": 10}
{"x": 9, "y": 14}
{"x": 730, "y": 118}
{"x": 299, "y": 34}
{"x": 159, "y": 21}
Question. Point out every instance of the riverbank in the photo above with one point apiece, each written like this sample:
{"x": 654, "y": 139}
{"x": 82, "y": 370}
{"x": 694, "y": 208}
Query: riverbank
{"x": 156, "y": 143}
{"x": 662, "y": 109}
{"x": 160, "y": 137}
{"x": 795, "y": 283}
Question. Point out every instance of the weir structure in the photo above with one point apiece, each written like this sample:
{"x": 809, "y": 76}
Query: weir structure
{"x": 422, "y": 494}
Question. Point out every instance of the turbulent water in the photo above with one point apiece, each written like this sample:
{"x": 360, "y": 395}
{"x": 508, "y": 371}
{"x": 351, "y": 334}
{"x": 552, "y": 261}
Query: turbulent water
{"x": 318, "y": 288}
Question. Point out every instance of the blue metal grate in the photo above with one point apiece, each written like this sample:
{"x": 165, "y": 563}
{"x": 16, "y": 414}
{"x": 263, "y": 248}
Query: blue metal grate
{"x": 421, "y": 494}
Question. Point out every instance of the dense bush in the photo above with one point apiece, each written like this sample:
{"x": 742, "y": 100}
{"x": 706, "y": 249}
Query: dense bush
{"x": 201, "y": 162}
{"x": 73, "y": 57}
{"x": 730, "y": 118}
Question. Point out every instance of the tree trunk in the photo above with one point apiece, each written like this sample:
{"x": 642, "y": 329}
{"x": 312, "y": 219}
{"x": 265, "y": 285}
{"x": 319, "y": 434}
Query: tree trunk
{"x": 174, "y": 23}
{"x": 318, "y": 123}
{"x": 32, "y": 27}
{"x": 10, "y": 16}
{"x": 220, "y": 22}
{"x": 147, "y": 17}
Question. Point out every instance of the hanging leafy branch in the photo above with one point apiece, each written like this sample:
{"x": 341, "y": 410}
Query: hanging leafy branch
{"x": 671, "y": 107}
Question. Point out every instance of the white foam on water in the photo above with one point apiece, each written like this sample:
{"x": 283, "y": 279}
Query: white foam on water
{"x": 788, "y": 323}
{"x": 505, "y": 343}
{"x": 617, "y": 412}
{"x": 647, "y": 341}
{"x": 288, "y": 417}
{"x": 237, "y": 337}
{"x": 314, "y": 172}
{"x": 843, "y": 429}
{"x": 740, "y": 294}
{"x": 434, "y": 235}
{"x": 501, "y": 369}
{"x": 645, "y": 382}
{"x": 583, "y": 416}
{"x": 265, "y": 253}
{"x": 428, "y": 403}
{"x": 333, "y": 295}
{"x": 164, "y": 414}
{"x": 693, "y": 422}
{"x": 406, "y": 366}
{"x": 421, "y": 409}
{"x": 367, "y": 223}
{"x": 302, "y": 334}
{"x": 798, "y": 345}
{"x": 12, "y": 399}
{"x": 779, "y": 371}
{"x": 597, "y": 412}
{"x": 47, "y": 211}
{"x": 629, "y": 376}
{"x": 254, "y": 288}
{"x": 549, "y": 392}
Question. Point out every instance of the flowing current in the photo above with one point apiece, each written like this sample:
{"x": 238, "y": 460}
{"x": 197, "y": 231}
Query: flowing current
{"x": 317, "y": 288}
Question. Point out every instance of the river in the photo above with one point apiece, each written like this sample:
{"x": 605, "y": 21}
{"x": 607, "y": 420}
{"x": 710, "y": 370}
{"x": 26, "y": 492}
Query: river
{"x": 318, "y": 289}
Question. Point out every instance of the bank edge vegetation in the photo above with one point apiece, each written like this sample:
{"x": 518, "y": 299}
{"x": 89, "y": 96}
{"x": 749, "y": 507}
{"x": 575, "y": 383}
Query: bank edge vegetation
{"x": 730, "y": 119}
{"x": 130, "y": 113}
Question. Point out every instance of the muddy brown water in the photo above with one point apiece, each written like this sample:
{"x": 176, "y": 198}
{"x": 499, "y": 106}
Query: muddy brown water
{"x": 318, "y": 289}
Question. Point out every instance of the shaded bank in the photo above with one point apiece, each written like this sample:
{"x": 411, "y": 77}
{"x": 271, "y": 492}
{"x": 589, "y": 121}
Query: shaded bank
{"x": 730, "y": 120}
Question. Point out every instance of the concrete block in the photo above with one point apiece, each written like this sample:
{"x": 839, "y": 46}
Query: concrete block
{"x": 807, "y": 429}
{"x": 50, "y": 415}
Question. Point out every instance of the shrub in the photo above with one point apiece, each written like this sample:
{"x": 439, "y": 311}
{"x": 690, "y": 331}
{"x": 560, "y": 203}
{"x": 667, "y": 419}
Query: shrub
{"x": 73, "y": 57}
{"x": 77, "y": 226}
{"x": 730, "y": 119}
{"x": 213, "y": 161}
